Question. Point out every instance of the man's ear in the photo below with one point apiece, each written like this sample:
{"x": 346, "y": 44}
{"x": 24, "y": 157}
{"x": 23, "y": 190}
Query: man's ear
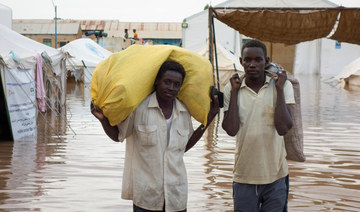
{"x": 267, "y": 60}
{"x": 240, "y": 59}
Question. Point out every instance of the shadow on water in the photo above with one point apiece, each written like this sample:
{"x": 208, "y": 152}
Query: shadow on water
{"x": 73, "y": 166}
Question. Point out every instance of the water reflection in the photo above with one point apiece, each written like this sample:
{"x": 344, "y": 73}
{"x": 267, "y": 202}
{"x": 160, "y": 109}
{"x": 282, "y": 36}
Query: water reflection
{"x": 73, "y": 166}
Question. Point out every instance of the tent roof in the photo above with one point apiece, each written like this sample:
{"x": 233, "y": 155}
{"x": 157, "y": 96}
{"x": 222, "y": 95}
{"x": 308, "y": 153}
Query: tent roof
{"x": 351, "y": 69}
{"x": 281, "y": 3}
{"x": 226, "y": 59}
{"x": 290, "y": 22}
{"x": 22, "y": 46}
{"x": 87, "y": 50}
{"x": 271, "y": 3}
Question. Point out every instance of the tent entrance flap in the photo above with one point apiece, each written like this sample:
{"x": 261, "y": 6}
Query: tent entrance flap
{"x": 5, "y": 127}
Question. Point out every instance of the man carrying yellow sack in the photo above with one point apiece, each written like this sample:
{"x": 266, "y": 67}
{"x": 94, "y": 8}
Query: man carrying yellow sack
{"x": 157, "y": 134}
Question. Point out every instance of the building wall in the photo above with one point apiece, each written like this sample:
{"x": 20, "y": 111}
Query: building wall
{"x": 150, "y": 32}
{"x": 43, "y": 31}
{"x": 60, "y": 38}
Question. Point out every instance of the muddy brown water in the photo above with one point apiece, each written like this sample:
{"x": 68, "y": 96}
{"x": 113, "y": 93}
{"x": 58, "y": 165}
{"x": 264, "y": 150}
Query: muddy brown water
{"x": 73, "y": 166}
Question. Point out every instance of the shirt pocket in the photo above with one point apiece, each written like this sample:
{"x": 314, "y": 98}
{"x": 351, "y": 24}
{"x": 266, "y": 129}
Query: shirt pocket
{"x": 182, "y": 138}
{"x": 147, "y": 134}
{"x": 269, "y": 115}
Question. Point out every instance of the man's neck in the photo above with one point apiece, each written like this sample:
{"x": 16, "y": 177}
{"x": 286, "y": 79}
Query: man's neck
{"x": 255, "y": 84}
{"x": 166, "y": 107}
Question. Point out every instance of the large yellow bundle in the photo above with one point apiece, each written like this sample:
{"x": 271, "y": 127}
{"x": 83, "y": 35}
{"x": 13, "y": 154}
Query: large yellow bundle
{"x": 124, "y": 79}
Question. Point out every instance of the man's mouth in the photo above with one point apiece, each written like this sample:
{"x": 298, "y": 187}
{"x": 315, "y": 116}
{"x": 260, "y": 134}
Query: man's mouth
{"x": 169, "y": 94}
{"x": 252, "y": 72}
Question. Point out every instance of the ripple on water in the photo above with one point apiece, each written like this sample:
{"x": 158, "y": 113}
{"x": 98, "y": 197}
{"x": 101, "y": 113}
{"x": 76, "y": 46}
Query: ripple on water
{"x": 73, "y": 166}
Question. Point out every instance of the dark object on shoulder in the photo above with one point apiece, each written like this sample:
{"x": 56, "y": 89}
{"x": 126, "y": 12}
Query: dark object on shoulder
{"x": 213, "y": 92}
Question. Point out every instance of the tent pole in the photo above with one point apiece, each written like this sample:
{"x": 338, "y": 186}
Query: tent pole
{"x": 210, "y": 40}
{"x": 210, "y": 35}
{"x": 216, "y": 59}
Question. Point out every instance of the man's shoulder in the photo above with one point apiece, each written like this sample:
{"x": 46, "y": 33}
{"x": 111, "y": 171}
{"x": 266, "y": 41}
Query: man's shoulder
{"x": 181, "y": 106}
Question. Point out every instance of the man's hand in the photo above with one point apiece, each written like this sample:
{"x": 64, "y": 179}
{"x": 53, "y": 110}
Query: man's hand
{"x": 96, "y": 112}
{"x": 235, "y": 82}
{"x": 214, "y": 108}
{"x": 282, "y": 77}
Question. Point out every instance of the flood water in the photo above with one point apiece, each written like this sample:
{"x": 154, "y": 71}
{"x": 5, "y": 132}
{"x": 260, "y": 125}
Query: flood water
{"x": 73, "y": 166}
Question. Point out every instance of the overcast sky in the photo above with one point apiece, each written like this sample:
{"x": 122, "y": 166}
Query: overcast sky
{"x": 122, "y": 10}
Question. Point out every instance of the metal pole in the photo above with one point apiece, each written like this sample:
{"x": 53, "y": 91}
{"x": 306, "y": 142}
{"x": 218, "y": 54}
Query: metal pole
{"x": 55, "y": 27}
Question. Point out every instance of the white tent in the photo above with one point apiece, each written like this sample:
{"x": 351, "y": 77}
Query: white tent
{"x": 19, "y": 56}
{"x": 228, "y": 63}
{"x": 5, "y": 16}
{"x": 350, "y": 75}
{"x": 321, "y": 56}
{"x": 85, "y": 55}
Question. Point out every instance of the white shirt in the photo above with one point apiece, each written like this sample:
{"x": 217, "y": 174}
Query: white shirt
{"x": 155, "y": 171}
{"x": 260, "y": 154}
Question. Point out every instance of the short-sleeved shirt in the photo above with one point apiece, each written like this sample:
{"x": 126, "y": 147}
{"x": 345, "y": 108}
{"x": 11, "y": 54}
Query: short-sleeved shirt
{"x": 154, "y": 170}
{"x": 260, "y": 154}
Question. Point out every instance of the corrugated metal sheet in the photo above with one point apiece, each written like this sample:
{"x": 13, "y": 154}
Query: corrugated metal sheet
{"x": 46, "y": 28}
{"x": 144, "y": 29}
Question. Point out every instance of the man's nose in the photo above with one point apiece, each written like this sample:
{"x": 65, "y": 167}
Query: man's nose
{"x": 252, "y": 64}
{"x": 172, "y": 86}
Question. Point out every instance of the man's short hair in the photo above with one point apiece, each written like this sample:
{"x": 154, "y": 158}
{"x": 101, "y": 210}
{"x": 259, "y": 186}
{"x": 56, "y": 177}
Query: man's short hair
{"x": 254, "y": 43}
{"x": 171, "y": 66}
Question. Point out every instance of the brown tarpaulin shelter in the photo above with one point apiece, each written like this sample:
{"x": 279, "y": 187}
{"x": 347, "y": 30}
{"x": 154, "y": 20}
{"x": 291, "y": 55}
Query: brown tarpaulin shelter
{"x": 292, "y": 25}
{"x": 284, "y": 27}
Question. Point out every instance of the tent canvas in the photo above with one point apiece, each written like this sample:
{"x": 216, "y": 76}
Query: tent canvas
{"x": 228, "y": 63}
{"x": 350, "y": 75}
{"x": 26, "y": 48}
{"x": 325, "y": 57}
{"x": 5, "y": 16}
{"x": 17, "y": 66}
{"x": 85, "y": 54}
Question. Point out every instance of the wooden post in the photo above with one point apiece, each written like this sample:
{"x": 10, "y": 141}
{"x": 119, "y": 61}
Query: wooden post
{"x": 211, "y": 41}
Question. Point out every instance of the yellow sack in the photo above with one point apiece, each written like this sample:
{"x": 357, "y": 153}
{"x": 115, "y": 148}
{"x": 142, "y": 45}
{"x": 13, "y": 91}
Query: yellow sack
{"x": 123, "y": 80}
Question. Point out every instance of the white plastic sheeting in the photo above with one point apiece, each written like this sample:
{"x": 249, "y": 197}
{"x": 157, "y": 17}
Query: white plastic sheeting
{"x": 84, "y": 51}
{"x": 26, "y": 48}
{"x": 5, "y": 16}
{"x": 350, "y": 74}
{"x": 227, "y": 63}
{"x": 18, "y": 78}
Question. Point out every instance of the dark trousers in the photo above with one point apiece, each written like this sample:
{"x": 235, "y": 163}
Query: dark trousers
{"x": 261, "y": 198}
{"x": 138, "y": 209}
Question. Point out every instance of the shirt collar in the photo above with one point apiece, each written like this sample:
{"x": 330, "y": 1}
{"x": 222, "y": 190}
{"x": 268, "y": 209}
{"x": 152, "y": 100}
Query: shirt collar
{"x": 267, "y": 81}
{"x": 179, "y": 107}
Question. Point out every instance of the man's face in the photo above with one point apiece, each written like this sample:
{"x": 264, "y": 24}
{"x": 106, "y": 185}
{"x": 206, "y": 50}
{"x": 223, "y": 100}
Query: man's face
{"x": 254, "y": 62}
{"x": 168, "y": 86}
